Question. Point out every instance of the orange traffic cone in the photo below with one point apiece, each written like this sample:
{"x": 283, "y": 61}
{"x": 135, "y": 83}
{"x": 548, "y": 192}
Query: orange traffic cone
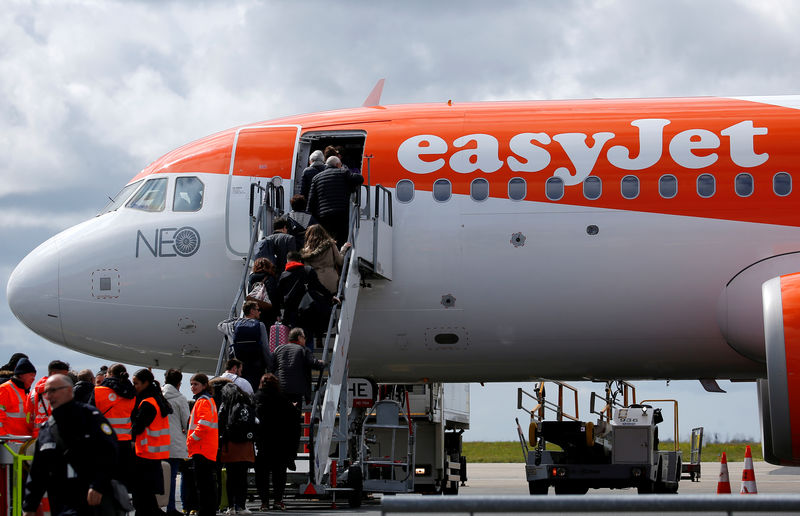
{"x": 724, "y": 484}
{"x": 748, "y": 474}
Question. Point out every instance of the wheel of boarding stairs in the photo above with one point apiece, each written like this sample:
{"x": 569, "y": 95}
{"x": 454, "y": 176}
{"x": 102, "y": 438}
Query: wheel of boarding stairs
{"x": 538, "y": 487}
{"x": 574, "y": 488}
{"x": 450, "y": 488}
{"x": 356, "y": 481}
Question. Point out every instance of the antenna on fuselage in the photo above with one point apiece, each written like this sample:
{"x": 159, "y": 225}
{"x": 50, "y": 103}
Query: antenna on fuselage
{"x": 374, "y": 97}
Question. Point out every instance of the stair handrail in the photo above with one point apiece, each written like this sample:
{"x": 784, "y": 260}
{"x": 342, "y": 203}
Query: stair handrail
{"x": 352, "y": 235}
{"x": 273, "y": 193}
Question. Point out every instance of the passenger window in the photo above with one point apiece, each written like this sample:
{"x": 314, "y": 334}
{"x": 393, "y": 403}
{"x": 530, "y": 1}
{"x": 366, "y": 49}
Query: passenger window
{"x": 706, "y": 185}
{"x": 517, "y": 189}
{"x": 668, "y": 186}
{"x": 441, "y": 190}
{"x": 592, "y": 187}
{"x": 630, "y": 187}
{"x": 404, "y": 191}
{"x": 120, "y": 198}
{"x": 554, "y": 188}
{"x": 782, "y": 183}
{"x": 744, "y": 185}
{"x": 188, "y": 194}
{"x": 151, "y": 196}
{"x": 479, "y": 189}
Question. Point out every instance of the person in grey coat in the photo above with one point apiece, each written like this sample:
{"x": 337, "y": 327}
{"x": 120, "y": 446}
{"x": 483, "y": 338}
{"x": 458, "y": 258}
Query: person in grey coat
{"x": 292, "y": 364}
{"x": 178, "y": 426}
{"x": 276, "y": 246}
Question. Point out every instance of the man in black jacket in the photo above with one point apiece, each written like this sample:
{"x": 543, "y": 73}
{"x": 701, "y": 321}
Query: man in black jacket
{"x": 74, "y": 453}
{"x": 329, "y": 198}
{"x": 316, "y": 164}
{"x": 276, "y": 246}
{"x": 292, "y": 365}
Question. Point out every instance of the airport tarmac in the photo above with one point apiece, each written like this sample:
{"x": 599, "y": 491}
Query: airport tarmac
{"x": 509, "y": 479}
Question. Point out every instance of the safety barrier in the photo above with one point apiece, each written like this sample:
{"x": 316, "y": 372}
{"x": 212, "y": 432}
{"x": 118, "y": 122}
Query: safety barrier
{"x": 592, "y": 503}
{"x": 11, "y": 457}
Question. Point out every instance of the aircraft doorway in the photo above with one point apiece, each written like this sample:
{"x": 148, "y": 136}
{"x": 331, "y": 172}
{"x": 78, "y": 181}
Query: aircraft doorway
{"x": 350, "y": 145}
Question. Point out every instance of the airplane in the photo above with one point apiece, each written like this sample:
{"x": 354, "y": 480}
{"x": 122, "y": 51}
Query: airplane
{"x": 581, "y": 239}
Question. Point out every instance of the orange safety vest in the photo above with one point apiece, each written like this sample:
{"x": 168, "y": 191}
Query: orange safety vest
{"x": 116, "y": 409}
{"x": 15, "y": 410}
{"x": 203, "y": 436}
{"x": 153, "y": 443}
{"x": 41, "y": 406}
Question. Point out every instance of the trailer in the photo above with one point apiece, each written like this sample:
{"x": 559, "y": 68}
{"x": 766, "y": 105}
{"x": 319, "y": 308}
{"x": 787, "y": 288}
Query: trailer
{"x": 433, "y": 416}
{"x": 619, "y": 450}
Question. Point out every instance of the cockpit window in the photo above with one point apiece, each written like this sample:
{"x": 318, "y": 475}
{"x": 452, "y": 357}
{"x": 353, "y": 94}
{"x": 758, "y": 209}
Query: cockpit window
{"x": 120, "y": 198}
{"x": 188, "y": 194}
{"x": 151, "y": 196}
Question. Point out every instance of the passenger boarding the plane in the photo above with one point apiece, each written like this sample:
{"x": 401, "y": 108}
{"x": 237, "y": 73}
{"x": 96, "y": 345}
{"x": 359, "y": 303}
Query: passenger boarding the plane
{"x": 297, "y": 280}
{"x": 276, "y": 246}
{"x": 264, "y": 272}
{"x": 233, "y": 369}
{"x": 321, "y": 253}
{"x": 316, "y": 164}
{"x": 248, "y": 340}
{"x": 299, "y": 219}
{"x": 329, "y": 198}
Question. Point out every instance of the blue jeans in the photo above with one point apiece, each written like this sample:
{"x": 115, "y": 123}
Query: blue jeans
{"x": 174, "y": 466}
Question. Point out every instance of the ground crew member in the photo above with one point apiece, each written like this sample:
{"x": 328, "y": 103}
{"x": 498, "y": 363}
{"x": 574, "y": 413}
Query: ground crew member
{"x": 75, "y": 449}
{"x": 150, "y": 430}
{"x": 203, "y": 443}
{"x": 41, "y": 407}
{"x": 115, "y": 397}
{"x": 16, "y": 412}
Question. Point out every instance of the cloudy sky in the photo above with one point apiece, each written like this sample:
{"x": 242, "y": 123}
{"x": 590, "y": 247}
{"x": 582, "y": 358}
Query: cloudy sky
{"x": 92, "y": 91}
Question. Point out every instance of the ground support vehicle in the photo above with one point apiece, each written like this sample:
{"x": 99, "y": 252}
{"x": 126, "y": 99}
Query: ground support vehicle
{"x": 620, "y": 450}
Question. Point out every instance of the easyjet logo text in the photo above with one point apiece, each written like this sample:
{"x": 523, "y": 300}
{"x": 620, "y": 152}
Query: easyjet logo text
{"x": 692, "y": 149}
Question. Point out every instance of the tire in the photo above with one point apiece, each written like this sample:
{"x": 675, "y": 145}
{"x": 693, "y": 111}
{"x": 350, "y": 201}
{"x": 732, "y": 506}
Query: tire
{"x": 571, "y": 489}
{"x": 355, "y": 480}
{"x": 646, "y": 487}
{"x": 538, "y": 487}
{"x": 451, "y": 488}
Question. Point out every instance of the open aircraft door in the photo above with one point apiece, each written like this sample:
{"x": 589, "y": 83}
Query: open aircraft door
{"x": 260, "y": 153}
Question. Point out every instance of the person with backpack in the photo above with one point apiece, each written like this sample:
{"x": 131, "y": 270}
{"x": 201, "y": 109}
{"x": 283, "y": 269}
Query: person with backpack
{"x": 248, "y": 340}
{"x": 299, "y": 219}
{"x": 237, "y": 417}
{"x": 305, "y": 301}
{"x": 115, "y": 398}
{"x": 202, "y": 443}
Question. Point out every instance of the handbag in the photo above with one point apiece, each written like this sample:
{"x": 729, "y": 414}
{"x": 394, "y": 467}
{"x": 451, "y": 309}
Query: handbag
{"x": 259, "y": 294}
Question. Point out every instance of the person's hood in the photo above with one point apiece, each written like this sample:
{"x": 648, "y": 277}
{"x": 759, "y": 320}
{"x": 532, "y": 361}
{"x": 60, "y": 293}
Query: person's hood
{"x": 319, "y": 251}
{"x": 170, "y": 392}
{"x": 290, "y": 266}
{"x": 122, "y": 386}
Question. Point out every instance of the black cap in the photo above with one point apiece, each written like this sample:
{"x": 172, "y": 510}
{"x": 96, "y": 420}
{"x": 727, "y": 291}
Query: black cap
{"x": 24, "y": 366}
{"x": 103, "y": 370}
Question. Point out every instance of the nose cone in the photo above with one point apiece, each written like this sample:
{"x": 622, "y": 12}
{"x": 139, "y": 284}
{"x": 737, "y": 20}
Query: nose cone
{"x": 32, "y": 292}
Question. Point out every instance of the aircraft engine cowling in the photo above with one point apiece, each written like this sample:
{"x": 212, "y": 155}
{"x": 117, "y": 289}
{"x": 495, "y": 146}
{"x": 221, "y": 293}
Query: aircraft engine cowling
{"x": 779, "y": 394}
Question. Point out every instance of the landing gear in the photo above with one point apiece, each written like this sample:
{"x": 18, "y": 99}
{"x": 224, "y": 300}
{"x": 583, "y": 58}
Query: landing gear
{"x": 356, "y": 481}
{"x": 538, "y": 487}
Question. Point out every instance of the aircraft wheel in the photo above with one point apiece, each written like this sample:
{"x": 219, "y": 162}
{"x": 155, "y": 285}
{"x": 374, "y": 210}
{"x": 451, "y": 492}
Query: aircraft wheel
{"x": 451, "y": 488}
{"x": 538, "y": 487}
{"x": 355, "y": 480}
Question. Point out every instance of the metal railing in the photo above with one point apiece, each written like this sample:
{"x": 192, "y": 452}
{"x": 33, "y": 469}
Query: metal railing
{"x": 270, "y": 205}
{"x": 595, "y": 503}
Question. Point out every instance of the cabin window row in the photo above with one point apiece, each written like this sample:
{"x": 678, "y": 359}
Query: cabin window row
{"x": 706, "y": 186}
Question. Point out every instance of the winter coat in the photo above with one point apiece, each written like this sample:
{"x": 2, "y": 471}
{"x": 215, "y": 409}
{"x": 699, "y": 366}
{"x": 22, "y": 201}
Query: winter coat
{"x": 326, "y": 260}
{"x": 292, "y": 364}
{"x": 292, "y": 288}
{"x": 83, "y": 391}
{"x": 278, "y": 426}
{"x": 231, "y": 451}
{"x": 275, "y": 248}
{"x": 178, "y": 421}
{"x": 330, "y": 192}
{"x": 308, "y": 177}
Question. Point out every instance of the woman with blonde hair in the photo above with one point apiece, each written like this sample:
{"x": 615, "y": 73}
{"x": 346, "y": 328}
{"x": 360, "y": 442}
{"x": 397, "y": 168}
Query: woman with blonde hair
{"x": 321, "y": 253}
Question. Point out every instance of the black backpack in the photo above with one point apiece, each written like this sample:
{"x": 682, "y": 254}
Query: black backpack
{"x": 241, "y": 422}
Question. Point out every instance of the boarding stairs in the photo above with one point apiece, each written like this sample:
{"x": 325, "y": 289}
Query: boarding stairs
{"x": 370, "y": 257}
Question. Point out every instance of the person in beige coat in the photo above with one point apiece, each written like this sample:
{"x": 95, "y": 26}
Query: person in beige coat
{"x": 321, "y": 253}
